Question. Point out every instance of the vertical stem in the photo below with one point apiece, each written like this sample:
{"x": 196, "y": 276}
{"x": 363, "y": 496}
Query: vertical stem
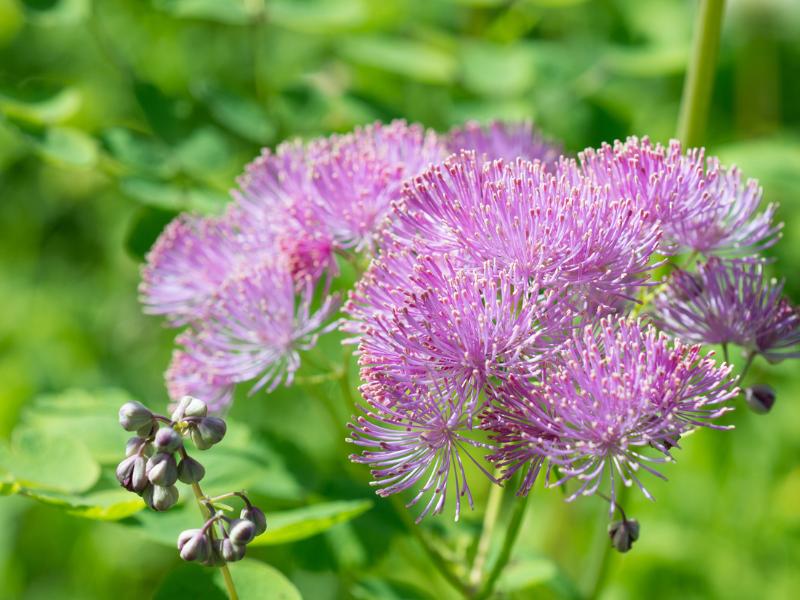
{"x": 598, "y": 569}
{"x": 226, "y": 574}
{"x": 487, "y": 533}
{"x": 700, "y": 73}
{"x": 512, "y": 533}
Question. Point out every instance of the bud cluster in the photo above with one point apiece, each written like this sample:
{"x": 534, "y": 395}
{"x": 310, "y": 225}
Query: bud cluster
{"x": 156, "y": 459}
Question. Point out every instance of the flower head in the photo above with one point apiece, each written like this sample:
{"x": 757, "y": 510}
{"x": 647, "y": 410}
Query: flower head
{"x": 614, "y": 390}
{"x": 730, "y": 301}
{"x": 506, "y": 141}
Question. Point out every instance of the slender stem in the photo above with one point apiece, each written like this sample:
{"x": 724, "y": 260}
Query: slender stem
{"x": 487, "y": 533}
{"x": 725, "y": 352}
{"x": 602, "y": 553}
{"x": 226, "y": 574}
{"x": 700, "y": 73}
{"x": 512, "y": 532}
{"x": 750, "y": 357}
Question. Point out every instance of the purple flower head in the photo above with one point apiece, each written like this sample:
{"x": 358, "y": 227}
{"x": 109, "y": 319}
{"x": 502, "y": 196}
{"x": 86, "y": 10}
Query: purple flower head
{"x": 613, "y": 391}
{"x": 555, "y": 226}
{"x": 187, "y": 376}
{"x": 190, "y": 261}
{"x": 465, "y": 325}
{"x": 255, "y": 328}
{"x": 417, "y": 435}
{"x": 506, "y": 141}
{"x": 730, "y": 301}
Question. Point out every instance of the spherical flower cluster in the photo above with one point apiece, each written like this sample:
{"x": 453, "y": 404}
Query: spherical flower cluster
{"x": 506, "y": 141}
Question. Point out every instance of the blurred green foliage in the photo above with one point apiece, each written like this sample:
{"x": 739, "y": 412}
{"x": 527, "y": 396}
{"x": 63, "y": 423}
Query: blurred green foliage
{"x": 116, "y": 114}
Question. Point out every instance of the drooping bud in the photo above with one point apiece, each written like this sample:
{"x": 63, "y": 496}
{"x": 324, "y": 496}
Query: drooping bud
{"x": 135, "y": 444}
{"x": 623, "y": 534}
{"x": 190, "y": 471}
{"x": 760, "y": 398}
{"x": 208, "y": 432}
{"x": 256, "y": 517}
{"x": 160, "y": 498}
{"x": 149, "y": 430}
{"x": 131, "y": 474}
{"x": 242, "y": 532}
{"x": 215, "y": 558}
{"x": 162, "y": 470}
{"x": 134, "y": 416}
{"x": 167, "y": 440}
{"x": 231, "y": 552}
{"x": 194, "y": 545}
{"x": 189, "y": 407}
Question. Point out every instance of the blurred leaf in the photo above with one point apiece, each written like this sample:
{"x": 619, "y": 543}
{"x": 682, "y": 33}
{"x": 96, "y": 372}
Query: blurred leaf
{"x": 90, "y": 414}
{"x": 301, "y": 523}
{"x": 105, "y": 505}
{"x": 774, "y": 161}
{"x": 648, "y": 61}
{"x": 58, "y": 12}
{"x": 371, "y": 588}
{"x": 172, "y": 196}
{"x": 317, "y": 16}
{"x": 43, "y": 459}
{"x": 416, "y": 60}
{"x": 498, "y": 70}
{"x": 9, "y": 488}
{"x": 254, "y": 580}
{"x": 68, "y": 146}
{"x": 145, "y": 228}
{"x": 242, "y": 115}
{"x": 232, "y": 12}
{"x": 41, "y": 107}
{"x": 138, "y": 152}
{"x": 11, "y": 20}
{"x": 522, "y": 574}
{"x": 167, "y": 117}
{"x": 204, "y": 152}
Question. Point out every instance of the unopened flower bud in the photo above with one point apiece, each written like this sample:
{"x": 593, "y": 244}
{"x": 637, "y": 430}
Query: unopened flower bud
{"x": 231, "y": 552}
{"x": 194, "y": 545}
{"x": 162, "y": 470}
{"x": 167, "y": 440}
{"x": 135, "y": 444}
{"x": 760, "y": 398}
{"x": 189, "y": 407}
{"x": 131, "y": 473}
{"x": 134, "y": 415}
{"x": 256, "y": 517}
{"x": 160, "y": 498}
{"x": 242, "y": 532}
{"x": 208, "y": 432}
{"x": 149, "y": 430}
{"x": 215, "y": 558}
{"x": 623, "y": 534}
{"x": 190, "y": 471}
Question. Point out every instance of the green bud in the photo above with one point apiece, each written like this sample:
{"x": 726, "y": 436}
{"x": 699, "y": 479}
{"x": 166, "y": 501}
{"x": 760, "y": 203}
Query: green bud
{"x": 189, "y": 407}
{"x": 242, "y": 532}
{"x": 256, "y": 517}
{"x": 162, "y": 470}
{"x": 167, "y": 440}
{"x": 623, "y": 534}
{"x": 134, "y": 415}
{"x": 209, "y": 431}
{"x": 149, "y": 430}
{"x": 194, "y": 545}
{"x": 190, "y": 471}
{"x": 131, "y": 474}
{"x": 160, "y": 498}
{"x": 231, "y": 552}
{"x": 760, "y": 398}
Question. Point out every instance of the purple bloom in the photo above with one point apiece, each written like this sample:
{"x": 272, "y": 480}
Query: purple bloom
{"x": 187, "y": 376}
{"x": 254, "y": 329}
{"x": 417, "y": 435}
{"x": 555, "y": 226}
{"x": 612, "y": 392}
{"x": 506, "y": 141}
{"x": 730, "y": 302}
{"x": 466, "y": 326}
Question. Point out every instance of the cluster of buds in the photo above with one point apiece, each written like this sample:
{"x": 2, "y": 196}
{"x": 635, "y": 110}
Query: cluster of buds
{"x": 156, "y": 459}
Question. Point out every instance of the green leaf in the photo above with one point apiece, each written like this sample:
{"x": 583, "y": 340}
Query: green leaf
{"x": 318, "y": 16}
{"x": 40, "y": 107}
{"x": 254, "y": 580}
{"x": 9, "y": 488}
{"x": 104, "y": 505}
{"x": 293, "y": 525}
{"x": 138, "y": 152}
{"x": 408, "y": 58}
{"x": 173, "y": 196}
{"x": 58, "y": 13}
{"x": 232, "y": 12}
{"x": 240, "y": 114}
{"x": 205, "y": 152}
{"x": 498, "y": 70}
{"x": 145, "y": 228}
{"x": 43, "y": 459}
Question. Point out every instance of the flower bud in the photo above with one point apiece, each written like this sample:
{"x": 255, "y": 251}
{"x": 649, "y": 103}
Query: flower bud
{"x": 189, "y": 407}
{"x": 623, "y": 534}
{"x": 194, "y": 545}
{"x": 760, "y": 398}
{"x": 162, "y": 470}
{"x": 167, "y": 440}
{"x": 256, "y": 517}
{"x": 231, "y": 552}
{"x": 149, "y": 430}
{"x": 134, "y": 415}
{"x": 131, "y": 473}
{"x": 135, "y": 444}
{"x": 160, "y": 498}
{"x": 215, "y": 558}
{"x": 208, "y": 432}
{"x": 242, "y": 532}
{"x": 190, "y": 471}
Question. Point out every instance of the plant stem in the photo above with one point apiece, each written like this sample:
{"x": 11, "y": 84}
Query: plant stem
{"x": 602, "y": 552}
{"x": 226, "y": 574}
{"x": 512, "y": 532}
{"x": 750, "y": 357}
{"x": 700, "y": 73}
{"x": 487, "y": 533}
{"x": 725, "y": 352}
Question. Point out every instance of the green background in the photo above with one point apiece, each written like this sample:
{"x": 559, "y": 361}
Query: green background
{"x": 116, "y": 114}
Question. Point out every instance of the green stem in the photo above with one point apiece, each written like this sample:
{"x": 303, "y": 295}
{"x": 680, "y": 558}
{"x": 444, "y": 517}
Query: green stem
{"x": 700, "y": 73}
{"x": 487, "y": 533}
{"x": 226, "y": 574}
{"x": 750, "y": 357}
{"x": 512, "y": 532}
{"x": 602, "y": 552}
{"x": 725, "y": 352}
